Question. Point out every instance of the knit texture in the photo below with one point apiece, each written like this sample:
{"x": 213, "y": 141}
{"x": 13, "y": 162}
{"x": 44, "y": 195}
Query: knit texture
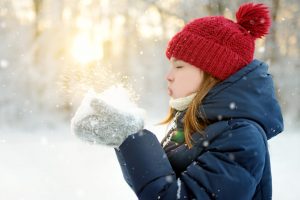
{"x": 180, "y": 104}
{"x": 99, "y": 120}
{"x": 220, "y": 46}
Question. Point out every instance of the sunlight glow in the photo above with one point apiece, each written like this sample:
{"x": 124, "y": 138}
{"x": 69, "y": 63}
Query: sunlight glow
{"x": 149, "y": 24}
{"x": 84, "y": 23}
{"x": 67, "y": 14}
{"x": 24, "y": 11}
{"x": 85, "y": 49}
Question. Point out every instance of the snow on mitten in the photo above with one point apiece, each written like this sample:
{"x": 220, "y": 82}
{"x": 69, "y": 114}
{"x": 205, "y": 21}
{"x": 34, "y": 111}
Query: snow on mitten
{"x": 102, "y": 121}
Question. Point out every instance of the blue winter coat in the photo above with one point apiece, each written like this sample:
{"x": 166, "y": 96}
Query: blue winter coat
{"x": 230, "y": 161}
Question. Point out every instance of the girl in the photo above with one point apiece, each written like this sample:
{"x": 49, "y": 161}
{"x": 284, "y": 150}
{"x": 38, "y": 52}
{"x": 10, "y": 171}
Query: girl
{"x": 222, "y": 112}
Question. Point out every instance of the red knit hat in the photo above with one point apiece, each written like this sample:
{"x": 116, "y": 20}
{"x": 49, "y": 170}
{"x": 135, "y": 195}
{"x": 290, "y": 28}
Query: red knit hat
{"x": 220, "y": 46}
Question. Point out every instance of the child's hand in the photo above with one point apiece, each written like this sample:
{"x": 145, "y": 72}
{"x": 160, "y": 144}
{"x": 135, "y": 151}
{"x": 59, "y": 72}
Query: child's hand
{"x": 99, "y": 122}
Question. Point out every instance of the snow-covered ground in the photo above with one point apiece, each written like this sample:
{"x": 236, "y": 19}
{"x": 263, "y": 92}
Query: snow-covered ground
{"x": 55, "y": 165}
{"x": 285, "y": 152}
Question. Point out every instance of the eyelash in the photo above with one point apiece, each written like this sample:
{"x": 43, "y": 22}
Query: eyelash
{"x": 179, "y": 67}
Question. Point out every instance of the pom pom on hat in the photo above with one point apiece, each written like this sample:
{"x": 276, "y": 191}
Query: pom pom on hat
{"x": 220, "y": 46}
{"x": 255, "y": 18}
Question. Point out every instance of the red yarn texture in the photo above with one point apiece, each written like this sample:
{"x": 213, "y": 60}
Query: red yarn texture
{"x": 220, "y": 46}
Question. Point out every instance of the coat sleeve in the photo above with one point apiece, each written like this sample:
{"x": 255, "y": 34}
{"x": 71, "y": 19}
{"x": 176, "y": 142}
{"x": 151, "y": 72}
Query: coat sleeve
{"x": 230, "y": 167}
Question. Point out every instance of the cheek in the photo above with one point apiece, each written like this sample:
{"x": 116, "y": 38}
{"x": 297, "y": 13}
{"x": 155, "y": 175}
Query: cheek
{"x": 194, "y": 83}
{"x": 189, "y": 87}
{"x": 184, "y": 87}
{"x": 189, "y": 83}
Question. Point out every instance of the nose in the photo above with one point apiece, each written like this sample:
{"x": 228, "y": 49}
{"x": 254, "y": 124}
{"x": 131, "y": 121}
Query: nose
{"x": 169, "y": 76}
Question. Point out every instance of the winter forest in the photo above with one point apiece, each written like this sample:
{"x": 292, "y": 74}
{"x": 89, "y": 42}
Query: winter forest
{"x": 53, "y": 52}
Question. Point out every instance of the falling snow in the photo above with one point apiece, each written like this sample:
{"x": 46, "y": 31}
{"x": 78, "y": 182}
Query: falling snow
{"x": 4, "y": 64}
{"x": 232, "y": 106}
{"x": 46, "y": 68}
{"x": 205, "y": 143}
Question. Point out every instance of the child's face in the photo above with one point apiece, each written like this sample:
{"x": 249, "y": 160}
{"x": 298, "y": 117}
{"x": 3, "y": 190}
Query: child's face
{"x": 183, "y": 78}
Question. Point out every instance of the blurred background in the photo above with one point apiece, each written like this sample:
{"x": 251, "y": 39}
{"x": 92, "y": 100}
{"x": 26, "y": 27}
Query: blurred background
{"x": 53, "y": 51}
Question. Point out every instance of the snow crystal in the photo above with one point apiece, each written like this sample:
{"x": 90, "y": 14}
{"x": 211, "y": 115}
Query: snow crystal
{"x": 231, "y": 156}
{"x": 261, "y": 49}
{"x": 169, "y": 179}
{"x": 205, "y": 143}
{"x": 4, "y": 63}
{"x": 232, "y": 106}
{"x": 220, "y": 117}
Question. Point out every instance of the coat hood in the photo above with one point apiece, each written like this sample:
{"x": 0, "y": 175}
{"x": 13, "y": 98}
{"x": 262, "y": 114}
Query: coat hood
{"x": 247, "y": 94}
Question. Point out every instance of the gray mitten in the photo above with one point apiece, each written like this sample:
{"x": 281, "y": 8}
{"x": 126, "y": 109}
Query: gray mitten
{"x": 99, "y": 121}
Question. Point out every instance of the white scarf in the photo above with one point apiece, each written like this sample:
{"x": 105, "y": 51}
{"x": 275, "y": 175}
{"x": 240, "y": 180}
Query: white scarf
{"x": 181, "y": 104}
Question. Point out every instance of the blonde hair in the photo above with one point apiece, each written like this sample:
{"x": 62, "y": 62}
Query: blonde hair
{"x": 194, "y": 119}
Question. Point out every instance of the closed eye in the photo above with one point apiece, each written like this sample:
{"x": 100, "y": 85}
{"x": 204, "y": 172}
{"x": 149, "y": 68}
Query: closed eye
{"x": 179, "y": 67}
